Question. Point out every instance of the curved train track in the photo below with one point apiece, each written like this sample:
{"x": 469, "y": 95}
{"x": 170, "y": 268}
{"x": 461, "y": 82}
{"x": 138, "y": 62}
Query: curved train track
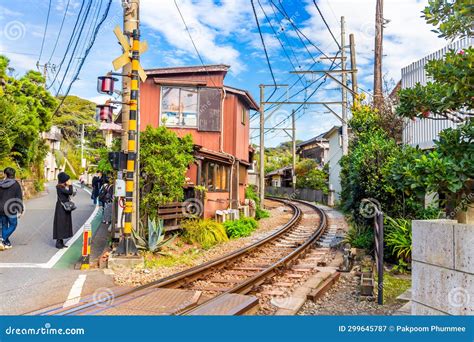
{"x": 239, "y": 272}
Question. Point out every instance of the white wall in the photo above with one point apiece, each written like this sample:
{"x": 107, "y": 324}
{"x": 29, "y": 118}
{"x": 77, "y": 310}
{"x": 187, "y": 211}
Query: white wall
{"x": 334, "y": 155}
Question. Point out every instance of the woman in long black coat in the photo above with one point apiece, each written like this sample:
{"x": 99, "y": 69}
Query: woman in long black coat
{"x": 62, "y": 228}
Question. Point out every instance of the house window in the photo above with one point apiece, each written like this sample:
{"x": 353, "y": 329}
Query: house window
{"x": 215, "y": 176}
{"x": 244, "y": 115}
{"x": 179, "y": 106}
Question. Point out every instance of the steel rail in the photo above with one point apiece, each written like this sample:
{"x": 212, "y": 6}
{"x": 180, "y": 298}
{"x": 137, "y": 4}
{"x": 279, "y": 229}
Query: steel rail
{"x": 247, "y": 285}
{"x": 186, "y": 276}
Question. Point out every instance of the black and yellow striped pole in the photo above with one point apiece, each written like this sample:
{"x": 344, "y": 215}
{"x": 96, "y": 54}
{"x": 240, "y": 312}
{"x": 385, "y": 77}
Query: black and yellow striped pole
{"x": 127, "y": 244}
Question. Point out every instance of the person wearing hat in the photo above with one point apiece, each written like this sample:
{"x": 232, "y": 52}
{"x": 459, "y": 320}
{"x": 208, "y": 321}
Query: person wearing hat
{"x": 62, "y": 228}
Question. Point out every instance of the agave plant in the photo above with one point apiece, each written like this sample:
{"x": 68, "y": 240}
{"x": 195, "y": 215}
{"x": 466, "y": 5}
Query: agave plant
{"x": 155, "y": 240}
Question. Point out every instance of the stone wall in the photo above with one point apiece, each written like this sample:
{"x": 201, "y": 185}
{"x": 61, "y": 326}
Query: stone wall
{"x": 442, "y": 268}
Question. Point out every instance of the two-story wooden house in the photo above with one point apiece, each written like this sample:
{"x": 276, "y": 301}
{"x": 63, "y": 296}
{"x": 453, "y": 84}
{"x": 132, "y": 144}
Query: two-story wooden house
{"x": 194, "y": 100}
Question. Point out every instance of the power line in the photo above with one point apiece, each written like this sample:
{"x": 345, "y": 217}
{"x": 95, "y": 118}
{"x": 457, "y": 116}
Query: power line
{"x": 71, "y": 39}
{"x": 60, "y": 31}
{"x": 94, "y": 37}
{"x": 325, "y": 23}
{"x": 278, "y": 38}
{"x": 75, "y": 45}
{"x": 264, "y": 49}
{"x": 45, "y": 30}
{"x": 192, "y": 41}
{"x": 285, "y": 14}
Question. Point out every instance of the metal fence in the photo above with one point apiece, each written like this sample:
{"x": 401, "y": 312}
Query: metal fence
{"x": 378, "y": 233}
{"x": 309, "y": 195}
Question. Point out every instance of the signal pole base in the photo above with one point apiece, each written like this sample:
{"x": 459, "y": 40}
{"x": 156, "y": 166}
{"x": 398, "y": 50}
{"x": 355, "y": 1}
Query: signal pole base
{"x": 126, "y": 247}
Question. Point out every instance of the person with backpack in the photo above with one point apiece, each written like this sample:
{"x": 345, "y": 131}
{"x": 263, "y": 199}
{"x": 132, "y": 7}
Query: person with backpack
{"x": 106, "y": 196}
{"x": 11, "y": 204}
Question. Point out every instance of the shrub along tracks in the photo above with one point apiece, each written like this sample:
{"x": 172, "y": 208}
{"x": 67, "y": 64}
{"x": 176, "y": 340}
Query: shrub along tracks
{"x": 221, "y": 283}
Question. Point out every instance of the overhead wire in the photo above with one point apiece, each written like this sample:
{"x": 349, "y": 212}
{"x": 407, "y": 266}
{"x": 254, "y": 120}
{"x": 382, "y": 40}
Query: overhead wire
{"x": 71, "y": 39}
{"x": 45, "y": 31}
{"x": 325, "y": 23}
{"x": 91, "y": 44}
{"x": 60, "y": 31}
{"x": 81, "y": 30}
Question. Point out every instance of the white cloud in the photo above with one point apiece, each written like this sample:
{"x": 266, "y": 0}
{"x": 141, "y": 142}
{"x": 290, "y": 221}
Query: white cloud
{"x": 211, "y": 26}
{"x": 407, "y": 37}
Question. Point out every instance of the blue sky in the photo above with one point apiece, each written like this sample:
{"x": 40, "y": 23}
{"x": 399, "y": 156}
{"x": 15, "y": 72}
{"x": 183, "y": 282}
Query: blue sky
{"x": 225, "y": 32}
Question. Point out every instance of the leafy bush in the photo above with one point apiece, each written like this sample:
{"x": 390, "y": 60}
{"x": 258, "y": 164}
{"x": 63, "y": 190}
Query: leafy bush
{"x": 309, "y": 176}
{"x": 398, "y": 237}
{"x": 360, "y": 236}
{"x": 206, "y": 233}
{"x": 240, "y": 228}
{"x": 251, "y": 194}
{"x": 261, "y": 214}
{"x": 165, "y": 158}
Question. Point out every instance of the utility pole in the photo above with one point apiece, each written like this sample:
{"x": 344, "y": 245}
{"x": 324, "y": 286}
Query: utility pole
{"x": 355, "y": 87}
{"x": 262, "y": 145}
{"x": 130, "y": 25}
{"x": 45, "y": 71}
{"x": 82, "y": 146}
{"x": 378, "y": 96}
{"x": 345, "y": 138}
{"x": 293, "y": 135}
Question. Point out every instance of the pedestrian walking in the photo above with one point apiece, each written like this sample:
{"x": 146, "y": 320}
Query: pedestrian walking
{"x": 97, "y": 182}
{"x": 62, "y": 228}
{"x": 105, "y": 199}
{"x": 82, "y": 180}
{"x": 11, "y": 204}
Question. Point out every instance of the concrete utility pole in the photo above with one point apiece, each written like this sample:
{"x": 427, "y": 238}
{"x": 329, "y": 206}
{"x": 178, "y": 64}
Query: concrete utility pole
{"x": 378, "y": 95}
{"x": 293, "y": 136}
{"x": 131, "y": 20}
{"x": 262, "y": 145}
{"x": 45, "y": 71}
{"x": 355, "y": 87}
{"x": 130, "y": 23}
{"x": 345, "y": 138}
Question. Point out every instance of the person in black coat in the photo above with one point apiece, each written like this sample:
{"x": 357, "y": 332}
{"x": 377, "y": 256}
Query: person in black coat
{"x": 97, "y": 182}
{"x": 62, "y": 228}
{"x": 11, "y": 204}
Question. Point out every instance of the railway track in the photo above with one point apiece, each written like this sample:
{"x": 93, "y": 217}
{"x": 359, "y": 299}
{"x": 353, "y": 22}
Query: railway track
{"x": 221, "y": 281}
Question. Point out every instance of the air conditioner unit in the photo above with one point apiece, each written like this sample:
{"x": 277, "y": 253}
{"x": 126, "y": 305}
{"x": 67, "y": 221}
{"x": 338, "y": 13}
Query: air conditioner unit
{"x": 233, "y": 214}
{"x": 220, "y": 216}
{"x": 244, "y": 211}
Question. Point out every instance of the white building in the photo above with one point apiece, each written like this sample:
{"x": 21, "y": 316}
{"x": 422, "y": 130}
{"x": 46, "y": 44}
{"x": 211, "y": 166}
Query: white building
{"x": 53, "y": 141}
{"x": 334, "y": 136}
{"x": 423, "y": 132}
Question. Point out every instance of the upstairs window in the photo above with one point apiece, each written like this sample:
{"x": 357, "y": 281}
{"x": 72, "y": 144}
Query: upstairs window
{"x": 179, "y": 106}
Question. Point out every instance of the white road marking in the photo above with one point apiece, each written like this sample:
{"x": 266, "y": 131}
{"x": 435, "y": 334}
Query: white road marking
{"x": 55, "y": 258}
{"x": 74, "y": 295}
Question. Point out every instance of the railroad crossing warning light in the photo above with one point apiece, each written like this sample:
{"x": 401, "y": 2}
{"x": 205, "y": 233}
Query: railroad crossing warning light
{"x": 104, "y": 113}
{"x": 105, "y": 84}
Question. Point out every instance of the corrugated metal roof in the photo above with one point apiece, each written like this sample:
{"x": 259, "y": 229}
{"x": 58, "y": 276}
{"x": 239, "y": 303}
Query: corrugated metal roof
{"x": 188, "y": 69}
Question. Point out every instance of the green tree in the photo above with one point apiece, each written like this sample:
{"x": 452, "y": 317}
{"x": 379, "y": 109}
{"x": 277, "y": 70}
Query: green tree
{"x": 451, "y": 90}
{"x": 310, "y": 176}
{"x": 452, "y": 18}
{"x": 25, "y": 111}
{"x": 164, "y": 158}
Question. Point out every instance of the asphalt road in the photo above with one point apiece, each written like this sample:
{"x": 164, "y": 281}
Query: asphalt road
{"x": 25, "y": 284}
